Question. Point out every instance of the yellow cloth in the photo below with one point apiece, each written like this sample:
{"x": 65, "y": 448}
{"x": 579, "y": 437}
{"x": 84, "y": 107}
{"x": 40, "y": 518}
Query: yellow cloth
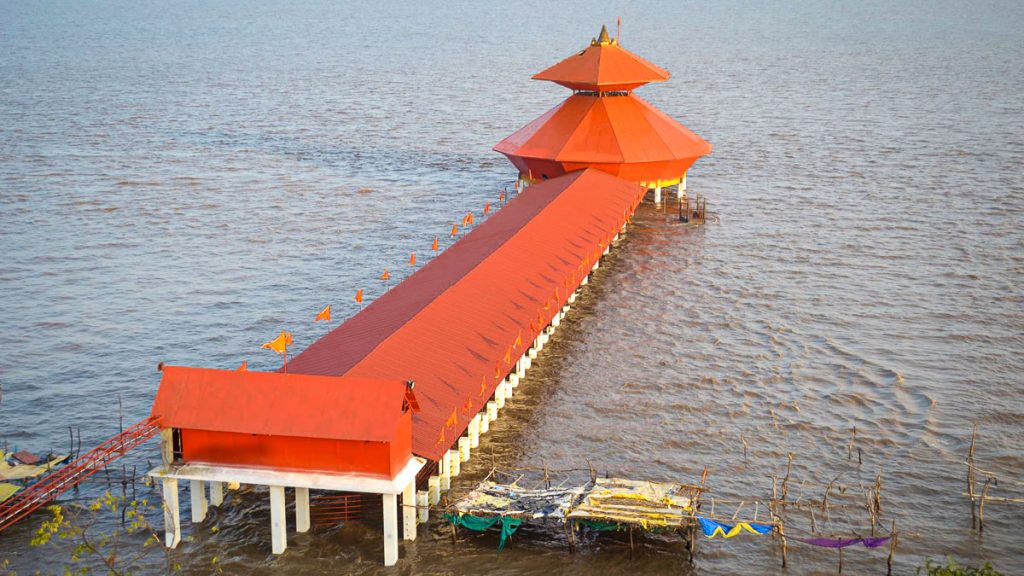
{"x": 7, "y": 490}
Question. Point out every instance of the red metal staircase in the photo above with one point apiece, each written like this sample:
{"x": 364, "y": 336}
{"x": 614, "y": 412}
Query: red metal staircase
{"x": 63, "y": 479}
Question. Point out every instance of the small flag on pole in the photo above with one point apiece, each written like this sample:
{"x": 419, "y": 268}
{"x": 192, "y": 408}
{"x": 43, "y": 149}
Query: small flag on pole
{"x": 385, "y": 276}
{"x": 324, "y": 314}
{"x": 435, "y": 245}
{"x": 412, "y": 259}
{"x": 359, "y": 296}
{"x": 487, "y": 207}
{"x": 453, "y": 419}
{"x": 455, "y": 230}
{"x": 519, "y": 340}
{"x": 244, "y": 367}
{"x": 279, "y": 344}
{"x": 508, "y": 356}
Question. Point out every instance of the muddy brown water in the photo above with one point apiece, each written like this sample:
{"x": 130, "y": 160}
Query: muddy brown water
{"x": 179, "y": 182}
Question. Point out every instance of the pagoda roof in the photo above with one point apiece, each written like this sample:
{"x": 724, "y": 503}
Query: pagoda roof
{"x": 603, "y": 66}
{"x": 603, "y": 130}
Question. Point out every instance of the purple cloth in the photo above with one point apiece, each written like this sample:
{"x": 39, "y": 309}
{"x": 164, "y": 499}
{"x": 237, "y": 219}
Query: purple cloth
{"x": 843, "y": 542}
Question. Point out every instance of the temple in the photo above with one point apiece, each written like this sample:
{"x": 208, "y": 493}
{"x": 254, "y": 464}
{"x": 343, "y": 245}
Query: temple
{"x": 604, "y": 125}
{"x": 393, "y": 400}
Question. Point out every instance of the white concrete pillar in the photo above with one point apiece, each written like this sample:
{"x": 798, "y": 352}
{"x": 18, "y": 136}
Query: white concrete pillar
{"x": 301, "y": 509}
{"x": 606, "y": 251}
{"x": 572, "y": 298}
{"x": 657, "y": 194}
{"x": 615, "y": 238}
{"x": 556, "y": 320}
{"x": 409, "y": 511}
{"x": 474, "y": 431}
{"x": 508, "y": 389}
{"x": 390, "y": 529}
{"x": 512, "y": 381}
{"x": 172, "y": 521}
{"x": 485, "y": 421}
{"x": 546, "y": 337}
{"x": 585, "y": 281}
{"x": 278, "y": 522}
{"x": 596, "y": 265}
{"x": 456, "y": 461}
{"x": 529, "y": 363}
{"x": 499, "y": 395}
{"x": 423, "y": 505}
{"x": 682, "y": 185}
{"x": 532, "y": 352}
{"x": 492, "y": 409}
{"x": 197, "y": 488}
{"x": 446, "y": 472}
{"x": 521, "y": 367}
{"x": 464, "y": 449}
{"x": 538, "y": 344}
{"x": 433, "y": 490}
{"x": 216, "y": 493}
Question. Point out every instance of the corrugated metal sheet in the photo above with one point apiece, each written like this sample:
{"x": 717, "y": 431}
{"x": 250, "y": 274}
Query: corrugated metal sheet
{"x": 621, "y": 135}
{"x": 280, "y": 404}
{"x": 605, "y": 67}
{"x": 451, "y": 324}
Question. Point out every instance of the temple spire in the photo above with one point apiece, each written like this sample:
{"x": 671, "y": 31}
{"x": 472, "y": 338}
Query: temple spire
{"x": 602, "y": 38}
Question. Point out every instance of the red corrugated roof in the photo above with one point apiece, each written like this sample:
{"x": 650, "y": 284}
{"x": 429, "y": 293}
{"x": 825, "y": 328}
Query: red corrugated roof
{"x": 448, "y": 326}
{"x": 604, "y": 66}
{"x": 280, "y": 404}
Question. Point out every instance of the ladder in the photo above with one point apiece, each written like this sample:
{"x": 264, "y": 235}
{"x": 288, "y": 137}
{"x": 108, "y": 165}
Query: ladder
{"x": 53, "y": 485}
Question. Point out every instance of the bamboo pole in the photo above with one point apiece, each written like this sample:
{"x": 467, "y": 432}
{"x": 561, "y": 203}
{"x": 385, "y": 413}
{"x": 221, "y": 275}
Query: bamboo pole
{"x": 892, "y": 548}
{"x": 785, "y": 481}
{"x": 981, "y": 506}
{"x": 970, "y": 475}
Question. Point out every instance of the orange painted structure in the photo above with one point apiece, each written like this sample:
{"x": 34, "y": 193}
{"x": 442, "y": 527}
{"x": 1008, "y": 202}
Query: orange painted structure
{"x": 604, "y": 126}
{"x": 457, "y": 326}
{"x": 286, "y": 421}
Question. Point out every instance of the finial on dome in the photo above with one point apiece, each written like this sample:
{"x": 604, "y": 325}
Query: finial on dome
{"x": 602, "y": 38}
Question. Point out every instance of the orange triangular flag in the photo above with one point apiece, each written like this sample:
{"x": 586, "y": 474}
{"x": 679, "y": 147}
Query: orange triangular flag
{"x": 455, "y": 230}
{"x": 244, "y": 367}
{"x": 508, "y": 356}
{"x": 483, "y": 386}
{"x": 533, "y": 326}
{"x": 501, "y": 195}
{"x": 359, "y": 295}
{"x": 487, "y": 207}
{"x": 385, "y": 275}
{"x": 412, "y": 259}
{"x": 453, "y": 419}
{"x": 497, "y": 370}
{"x": 434, "y": 246}
{"x": 469, "y": 217}
{"x": 519, "y": 340}
{"x": 324, "y": 314}
{"x": 468, "y": 406}
{"x": 279, "y": 344}
{"x": 440, "y": 438}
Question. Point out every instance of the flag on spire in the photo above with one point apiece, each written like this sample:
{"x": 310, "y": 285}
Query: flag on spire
{"x": 412, "y": 259}
{"x": 359, "y": 296}
{"x": 455, "y": 230}
{"x": 385, "y": 276}
{"x": 519, "y": 340}
{"x": 244, "y": 367}
{"x": 508, "y": 356}
{"x": 324, "y": 314}
{"x": 487, "y": 207}
{"x": 435, "y": 245}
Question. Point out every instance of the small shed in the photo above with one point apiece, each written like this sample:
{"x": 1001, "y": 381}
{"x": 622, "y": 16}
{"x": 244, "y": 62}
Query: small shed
{"x": 286, "y": 431}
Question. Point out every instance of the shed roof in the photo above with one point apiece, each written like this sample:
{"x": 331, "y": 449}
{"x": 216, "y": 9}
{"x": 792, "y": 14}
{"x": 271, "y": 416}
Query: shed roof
{"x": 280, "y": 404}
{"x": 604, "y": 66}
{"x": 450, "y": 325}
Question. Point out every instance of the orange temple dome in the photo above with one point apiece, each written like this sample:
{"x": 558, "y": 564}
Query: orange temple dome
{"x": 603, "y": 66}
{"x": 604, "y": 125}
